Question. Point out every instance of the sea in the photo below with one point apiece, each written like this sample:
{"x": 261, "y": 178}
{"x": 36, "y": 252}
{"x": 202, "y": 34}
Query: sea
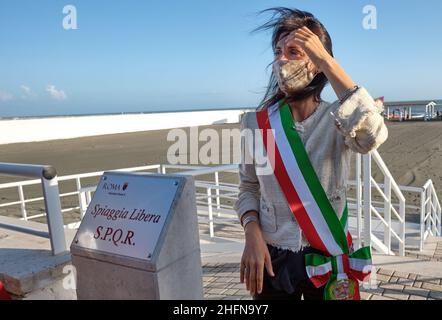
{"x": 415, "y": 110}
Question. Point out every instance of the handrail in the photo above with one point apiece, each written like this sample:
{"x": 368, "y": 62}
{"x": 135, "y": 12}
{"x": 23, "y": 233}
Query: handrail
{"x": 390, "y": 185}
{"x": 28, "y": 170}
{"x": 49, "y": 183}
{"x": 211, "y": 193}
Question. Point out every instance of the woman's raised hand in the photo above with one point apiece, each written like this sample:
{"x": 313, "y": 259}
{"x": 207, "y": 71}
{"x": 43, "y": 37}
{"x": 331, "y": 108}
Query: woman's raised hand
{"x": 310, "y": 44}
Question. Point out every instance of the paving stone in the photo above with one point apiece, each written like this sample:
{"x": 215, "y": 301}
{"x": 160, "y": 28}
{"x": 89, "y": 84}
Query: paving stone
{"x": 232, "y": 298}
{"x": 223, "y": 279}
{"x": 413, "y": 291}
{"x": 417, "y": 284}
{"x": 208, "y": 279}
{"x": 378, "y": 297}
{"x": 405, "y": 282}
{"x": 382, "y": 278}
{"x": 365, "y": 295}
{"x": 214, "y": 297}
{"x": 436, "y": 281}
{"x": 208, "y": 269}
{"x": 400, "y": 274}
{"x": 395, "y": 294}
{"x": 394, "y": 279}
{"x": 392, "y": 286}
{"x": 374, "y": 291}
{"x": 417, "y": 298}
{"x": 210, "y": 264}
{"x": 432, "y": 286}
{"x": 217, "y": 285}
{"x": 385, "y": 272}
{"x": 224, "y": 274}
{"x": 423, "y": 278}
{"x": 239, "y": 286}
{"x": 412, "y": 276}
{"x": 243, "y": 292}
{"x": 230, "y": 292}
{"x": 436, "y": 295}
{"x": 216, "y": 291}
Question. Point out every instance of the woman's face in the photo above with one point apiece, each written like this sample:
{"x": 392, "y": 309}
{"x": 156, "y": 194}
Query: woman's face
{"x": 292, "y": 67}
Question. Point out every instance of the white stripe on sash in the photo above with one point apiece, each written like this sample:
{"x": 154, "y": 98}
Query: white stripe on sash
{"x": 313, "y": 271}
{"x": 360, "y": 264}
{"x": 340, "y": 268}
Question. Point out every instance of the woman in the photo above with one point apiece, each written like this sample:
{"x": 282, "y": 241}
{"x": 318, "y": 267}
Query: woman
{"x": 272, "y": 265}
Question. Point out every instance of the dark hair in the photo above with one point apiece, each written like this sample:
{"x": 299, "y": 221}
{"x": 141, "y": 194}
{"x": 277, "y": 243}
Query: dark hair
{"x": 285, "y": 20}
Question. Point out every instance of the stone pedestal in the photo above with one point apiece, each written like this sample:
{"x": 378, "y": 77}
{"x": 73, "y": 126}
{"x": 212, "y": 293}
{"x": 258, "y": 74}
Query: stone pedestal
{"x": 171, "y": 268}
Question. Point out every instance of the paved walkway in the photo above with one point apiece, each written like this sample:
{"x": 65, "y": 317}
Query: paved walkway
{"x": 221, "y": 281}
{"x": 417, "y": 277}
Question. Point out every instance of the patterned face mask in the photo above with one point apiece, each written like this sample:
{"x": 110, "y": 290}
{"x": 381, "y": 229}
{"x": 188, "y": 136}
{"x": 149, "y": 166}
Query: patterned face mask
{"x": 292, "y": 75}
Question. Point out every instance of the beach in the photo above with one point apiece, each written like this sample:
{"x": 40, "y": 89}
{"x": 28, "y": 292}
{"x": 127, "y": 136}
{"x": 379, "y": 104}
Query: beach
{"x": 413, "y": 154}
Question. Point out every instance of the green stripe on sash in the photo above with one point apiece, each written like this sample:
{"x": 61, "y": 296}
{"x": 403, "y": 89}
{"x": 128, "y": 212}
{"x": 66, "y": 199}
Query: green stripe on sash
{"x": 312, "y": 179}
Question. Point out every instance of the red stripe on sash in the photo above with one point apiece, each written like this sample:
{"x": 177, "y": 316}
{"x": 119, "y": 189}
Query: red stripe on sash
{"x": 349, "y": 238}
{"x": 290, "y": 193}
{"x": 319, "y": 281}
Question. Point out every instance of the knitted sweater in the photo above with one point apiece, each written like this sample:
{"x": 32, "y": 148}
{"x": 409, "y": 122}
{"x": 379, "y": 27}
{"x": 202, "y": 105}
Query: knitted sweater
{"x": 329, "y": 147}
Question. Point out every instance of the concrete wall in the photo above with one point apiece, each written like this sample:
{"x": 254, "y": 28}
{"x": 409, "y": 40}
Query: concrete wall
{"x": 44, "y": 129}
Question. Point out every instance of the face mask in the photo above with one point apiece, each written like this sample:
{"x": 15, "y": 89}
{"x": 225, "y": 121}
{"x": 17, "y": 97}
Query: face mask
{"x": 292, "y": 75}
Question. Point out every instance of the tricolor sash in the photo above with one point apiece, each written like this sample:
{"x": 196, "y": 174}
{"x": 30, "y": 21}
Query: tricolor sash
{"x": 336, "y": 267}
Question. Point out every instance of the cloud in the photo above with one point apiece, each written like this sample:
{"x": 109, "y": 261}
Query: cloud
{"x": 27, "y": 92}
{"x": 5, "y": 96}
{"x": 54, "y": 93}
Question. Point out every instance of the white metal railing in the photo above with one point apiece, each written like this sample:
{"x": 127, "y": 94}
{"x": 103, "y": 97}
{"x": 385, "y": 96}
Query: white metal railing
{"x": 49, "y": 184}
{"x": 77, "y": 178}
{"x": 430, "y": 218}
{"x": 389, "y": 211}
{"x": 212, "y": 198}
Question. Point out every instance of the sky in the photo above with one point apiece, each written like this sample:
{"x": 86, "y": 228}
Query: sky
{"x": 149, "y": 55}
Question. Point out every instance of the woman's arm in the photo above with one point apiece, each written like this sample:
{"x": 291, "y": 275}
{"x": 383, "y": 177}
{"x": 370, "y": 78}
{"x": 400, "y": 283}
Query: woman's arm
{"x": 361, "y": 122}
{"x": 324, "y": 62}
{"x": 358, "y": 117}
{"x": 256, "y": 255}
{"x": 249, "y": 189}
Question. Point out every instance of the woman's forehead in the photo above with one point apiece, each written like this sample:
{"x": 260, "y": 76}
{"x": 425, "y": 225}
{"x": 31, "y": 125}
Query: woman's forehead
{"x": 280, "y": 43}
{"x": 282, "y": 35}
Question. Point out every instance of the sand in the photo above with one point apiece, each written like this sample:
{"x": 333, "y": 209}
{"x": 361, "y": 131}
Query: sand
{"x": 413, "y": 153}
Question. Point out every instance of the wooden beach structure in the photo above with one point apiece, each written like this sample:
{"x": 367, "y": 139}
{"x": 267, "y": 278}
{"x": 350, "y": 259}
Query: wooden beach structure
{"x": 424, "y": 110}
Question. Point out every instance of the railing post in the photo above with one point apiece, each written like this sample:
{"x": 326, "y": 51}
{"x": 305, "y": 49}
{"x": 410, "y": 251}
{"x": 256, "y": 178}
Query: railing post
{"x": 367, "y": 199}
{"x": 433, "y": 213}
{"x": 88, "y": 197}
{"x": 359, "y": 199}
{"x": 209, "y": 206}
{"x": 402, "y": 227}
{"x": 387, "y": 212}
{"x": 53, "y": 215}
{"x": 422, "y": 220}
{"x": 218, "y": 203}
{"x": 81, "y": 198}
{"x": 428, "y": 211}
{"x": 22, "y": 203}
{"x": 439, "y": 221}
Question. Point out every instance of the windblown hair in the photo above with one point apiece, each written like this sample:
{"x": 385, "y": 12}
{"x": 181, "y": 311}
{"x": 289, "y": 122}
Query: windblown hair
{"x": 284, "y": 21}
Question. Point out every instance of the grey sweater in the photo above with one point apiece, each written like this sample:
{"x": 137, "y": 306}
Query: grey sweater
{"x": 329, "y": 147}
